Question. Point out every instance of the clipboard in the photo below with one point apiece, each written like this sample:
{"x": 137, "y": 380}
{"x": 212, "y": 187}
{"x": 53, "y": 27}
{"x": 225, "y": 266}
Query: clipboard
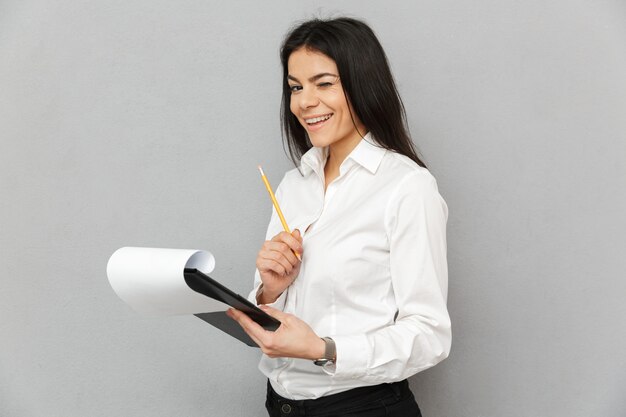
{"x": 204, "y": 284}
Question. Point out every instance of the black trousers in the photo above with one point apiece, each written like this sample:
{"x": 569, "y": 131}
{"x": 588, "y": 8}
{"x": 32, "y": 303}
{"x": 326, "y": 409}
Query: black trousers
{"x": 390, "y": 400}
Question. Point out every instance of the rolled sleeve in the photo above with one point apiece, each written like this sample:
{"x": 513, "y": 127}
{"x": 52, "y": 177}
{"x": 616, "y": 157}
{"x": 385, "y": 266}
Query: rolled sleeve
{"x": 279, "y": 304}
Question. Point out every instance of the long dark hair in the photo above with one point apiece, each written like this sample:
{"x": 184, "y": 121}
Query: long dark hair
{"x": 365, "y": 77}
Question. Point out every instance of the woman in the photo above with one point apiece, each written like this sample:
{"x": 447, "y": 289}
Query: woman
{"x": 366, "y": 306}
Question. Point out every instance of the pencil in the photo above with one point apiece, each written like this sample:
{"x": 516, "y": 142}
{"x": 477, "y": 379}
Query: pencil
{"x": 276, "y": 206}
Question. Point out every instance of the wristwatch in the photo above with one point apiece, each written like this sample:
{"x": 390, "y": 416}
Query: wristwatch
{"x": 330, "y": 352}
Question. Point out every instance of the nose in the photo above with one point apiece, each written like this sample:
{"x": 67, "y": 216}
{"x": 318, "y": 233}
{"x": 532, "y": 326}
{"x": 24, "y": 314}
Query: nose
{"x": 308, "y": 98}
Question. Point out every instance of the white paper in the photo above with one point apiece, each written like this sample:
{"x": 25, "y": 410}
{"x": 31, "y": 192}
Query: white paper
{"x": 152, "y": 282}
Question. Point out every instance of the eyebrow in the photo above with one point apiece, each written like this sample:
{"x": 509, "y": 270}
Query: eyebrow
{"x": 313, "y": 78}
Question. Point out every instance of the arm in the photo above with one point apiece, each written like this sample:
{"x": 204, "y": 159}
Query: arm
{"x": 420, "y": 337}
{"x": 277, "y": 265}
{"x": 293, "y": 339}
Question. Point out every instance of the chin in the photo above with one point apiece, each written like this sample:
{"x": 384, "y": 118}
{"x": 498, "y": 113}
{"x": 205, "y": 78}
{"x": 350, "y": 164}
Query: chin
{"x": 319, "y": 141}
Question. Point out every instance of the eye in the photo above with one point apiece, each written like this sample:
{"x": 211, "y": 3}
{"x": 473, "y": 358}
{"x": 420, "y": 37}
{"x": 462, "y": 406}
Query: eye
{"x": 325, "y": 84}
{"x": 295, "y": 88}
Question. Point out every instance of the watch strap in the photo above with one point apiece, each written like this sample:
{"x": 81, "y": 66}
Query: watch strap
{"x": 330, "y": 352}
{"x": 331, "y": 349}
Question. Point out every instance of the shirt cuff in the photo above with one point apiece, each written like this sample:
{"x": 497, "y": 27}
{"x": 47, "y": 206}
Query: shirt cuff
{"x": 352, "y": 354}
{"x": 279, "y": 304}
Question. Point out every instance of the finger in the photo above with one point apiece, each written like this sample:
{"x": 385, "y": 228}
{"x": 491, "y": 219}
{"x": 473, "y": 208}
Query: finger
{"x": 276, "y": 245}
{"x": 293, "y": 243}
{"x": 240, "y": 317}
{"x": 265, "y": 265}
{"x": 253, "y": 330}
{"x": 254, "y": 339}
{"x": 277, "y": 314}
{"x": 296, "y": 233}
{"x": 281, "y": 248}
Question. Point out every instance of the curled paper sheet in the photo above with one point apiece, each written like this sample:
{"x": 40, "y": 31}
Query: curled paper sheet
{"x": 152, "y": 282}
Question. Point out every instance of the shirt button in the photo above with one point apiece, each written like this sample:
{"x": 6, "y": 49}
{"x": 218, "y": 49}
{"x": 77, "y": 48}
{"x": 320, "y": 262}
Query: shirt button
{"x": 286, "y": 408}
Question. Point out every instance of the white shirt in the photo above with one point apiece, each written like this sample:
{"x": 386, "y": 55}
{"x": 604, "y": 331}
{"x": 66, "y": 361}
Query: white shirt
{"x": 374, "y": 274}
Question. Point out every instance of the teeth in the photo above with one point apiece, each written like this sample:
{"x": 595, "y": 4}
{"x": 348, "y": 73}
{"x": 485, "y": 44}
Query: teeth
{"x": 318, "y": 119}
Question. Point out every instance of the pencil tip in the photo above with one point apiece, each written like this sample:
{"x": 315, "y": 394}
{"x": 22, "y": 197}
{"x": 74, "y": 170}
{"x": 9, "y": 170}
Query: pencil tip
{"x": 261, "y": 169}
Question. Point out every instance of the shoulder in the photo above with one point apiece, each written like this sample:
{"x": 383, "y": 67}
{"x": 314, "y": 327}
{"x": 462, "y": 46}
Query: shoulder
{"x": 293, "y": 174}
{"x": 414, "y": 193}
{"x": 292, "y": 178}
{"x": 406, "y": 174}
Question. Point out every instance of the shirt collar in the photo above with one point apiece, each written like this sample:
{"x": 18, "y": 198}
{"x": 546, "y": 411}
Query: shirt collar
{"x": 368, "y": 153}
{"x": 313, "y": 160}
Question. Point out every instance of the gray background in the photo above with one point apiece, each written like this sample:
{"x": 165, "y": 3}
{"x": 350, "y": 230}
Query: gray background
{"x": 141, "y": 123}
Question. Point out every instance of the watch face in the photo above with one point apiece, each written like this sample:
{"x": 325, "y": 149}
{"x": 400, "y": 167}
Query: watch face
{"x": 322, "y": 362}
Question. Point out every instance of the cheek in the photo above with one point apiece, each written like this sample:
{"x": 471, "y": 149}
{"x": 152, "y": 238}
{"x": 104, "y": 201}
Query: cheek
{"x": 337, "y": 103}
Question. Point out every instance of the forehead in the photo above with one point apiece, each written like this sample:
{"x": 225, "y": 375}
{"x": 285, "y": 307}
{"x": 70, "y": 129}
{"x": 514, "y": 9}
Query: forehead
{"x": 304, "y": 63}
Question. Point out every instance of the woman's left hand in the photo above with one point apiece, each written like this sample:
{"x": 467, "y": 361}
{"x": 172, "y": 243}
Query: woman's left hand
{"x": 293, "y": 339}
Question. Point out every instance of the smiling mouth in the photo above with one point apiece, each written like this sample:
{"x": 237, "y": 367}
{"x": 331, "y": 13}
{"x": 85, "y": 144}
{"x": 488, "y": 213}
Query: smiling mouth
{"x": 314, "y": 121}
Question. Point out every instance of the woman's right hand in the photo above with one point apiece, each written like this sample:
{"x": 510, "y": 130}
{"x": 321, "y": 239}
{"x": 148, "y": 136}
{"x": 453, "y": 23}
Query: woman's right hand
{"x": 277, "y": 265}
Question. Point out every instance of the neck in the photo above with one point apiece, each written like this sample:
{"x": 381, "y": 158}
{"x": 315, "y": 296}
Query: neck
{"x": 338, "y": 151}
